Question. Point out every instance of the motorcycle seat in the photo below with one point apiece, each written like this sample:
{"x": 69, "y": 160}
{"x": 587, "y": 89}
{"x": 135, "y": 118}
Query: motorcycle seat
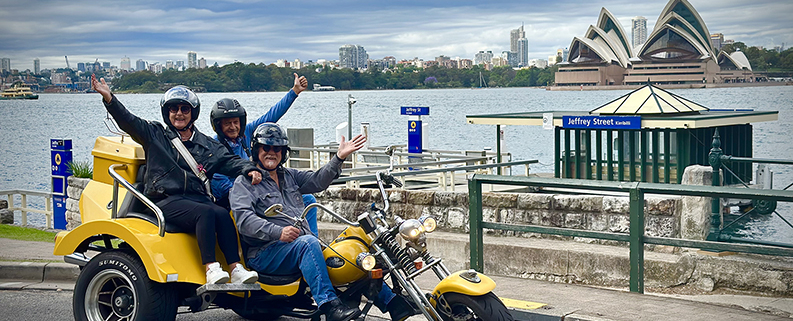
{"x": 279, "y": 279}
{"x": 134, "y": 208}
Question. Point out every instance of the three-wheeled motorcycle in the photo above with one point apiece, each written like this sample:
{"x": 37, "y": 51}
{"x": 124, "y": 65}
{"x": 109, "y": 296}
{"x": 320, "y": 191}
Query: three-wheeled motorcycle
{"x": 135, "y": 266}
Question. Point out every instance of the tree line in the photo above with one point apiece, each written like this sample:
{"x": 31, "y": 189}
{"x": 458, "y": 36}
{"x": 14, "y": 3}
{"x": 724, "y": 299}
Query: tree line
{"x": 260, "y": 77}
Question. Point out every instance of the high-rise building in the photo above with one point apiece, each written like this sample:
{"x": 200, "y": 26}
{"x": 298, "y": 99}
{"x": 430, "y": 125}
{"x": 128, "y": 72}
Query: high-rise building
{"x": 180, "y": 65}
{"x": 36, "y": 66}
{"x": 717, "y": 41}
{"x": 106, "y": 65}
{"x": 523, "y": 52}
{"x": 639, "y": 30}
{"x": 353, "y": 57}
{"x": 125, "y": 64}
{"x": 81, "y": 67}
{"x": 514, "y": 35}
{"x": 202, "y": 63}
{"x": 168, "y": 64}
{"x": 511, "y": 57}
{"x": 483, "y": 57}
{"x": 5, "y": 64}
{"x": 140, "y": 65}
{"x": 191, "y": 59}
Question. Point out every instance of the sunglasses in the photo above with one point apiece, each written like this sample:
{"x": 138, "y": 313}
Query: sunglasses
{"x": 267, "y": 148}
{"x": 184, "y": 108}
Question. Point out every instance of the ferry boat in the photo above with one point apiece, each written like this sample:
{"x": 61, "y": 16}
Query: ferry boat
{"x": 318, "y": 87}
{"x": 18, "y": 92}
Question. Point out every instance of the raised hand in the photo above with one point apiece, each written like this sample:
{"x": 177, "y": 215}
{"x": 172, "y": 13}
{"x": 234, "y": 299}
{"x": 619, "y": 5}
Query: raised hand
{"x": 347, "y": 148}
{"x": 101, "y": 87}
{"x": 301, "y": 83}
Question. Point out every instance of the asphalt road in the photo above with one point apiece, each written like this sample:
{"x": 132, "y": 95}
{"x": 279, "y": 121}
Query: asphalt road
{"x": 57, "y": 305}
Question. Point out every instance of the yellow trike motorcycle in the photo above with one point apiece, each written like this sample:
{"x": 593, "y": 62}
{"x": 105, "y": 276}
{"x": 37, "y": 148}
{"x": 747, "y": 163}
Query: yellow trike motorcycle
{"x": 135, "y": 266}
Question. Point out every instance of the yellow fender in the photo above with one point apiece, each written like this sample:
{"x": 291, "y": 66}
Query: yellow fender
{"x": 157, "y": 253}
{"x": 457, "y": 284}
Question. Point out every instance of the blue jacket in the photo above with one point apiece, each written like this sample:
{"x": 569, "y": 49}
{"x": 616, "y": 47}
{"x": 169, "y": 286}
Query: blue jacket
{"x": 221, "y": 184}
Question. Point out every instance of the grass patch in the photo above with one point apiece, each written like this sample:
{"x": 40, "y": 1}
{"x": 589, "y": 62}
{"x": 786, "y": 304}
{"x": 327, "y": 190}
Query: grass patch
{"x": 81, "y": 169}
{"x": 25, "y": 234}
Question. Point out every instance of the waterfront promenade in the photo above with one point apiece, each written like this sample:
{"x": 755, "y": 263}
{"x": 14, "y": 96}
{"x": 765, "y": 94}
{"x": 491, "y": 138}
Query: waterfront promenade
{"x": 29, "y": 266}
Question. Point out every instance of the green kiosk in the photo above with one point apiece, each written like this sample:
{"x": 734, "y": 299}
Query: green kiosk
{"x": 647, "y": 135}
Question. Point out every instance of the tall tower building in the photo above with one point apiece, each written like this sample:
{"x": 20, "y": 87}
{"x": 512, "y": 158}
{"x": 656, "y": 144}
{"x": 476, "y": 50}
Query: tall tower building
{"x": 125, "y": 64}
{"x": 202, "y": 63}
{"x": 514, "y": 35}
{"x": 5, "y": 64}
{"x": 169, "y": 64}
{"x": 639, "y": 30}
{"x": 36, "y": 66}
{"x": 523, "y": 52}
{"x": 140, "y": 65}
{"x": 717, "y": 41}
{"x": 353, "y": 57}
{"x": 191, "y": 59}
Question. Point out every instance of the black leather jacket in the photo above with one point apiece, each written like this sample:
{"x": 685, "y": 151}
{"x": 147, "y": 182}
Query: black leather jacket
{"x": 167, "y": 173}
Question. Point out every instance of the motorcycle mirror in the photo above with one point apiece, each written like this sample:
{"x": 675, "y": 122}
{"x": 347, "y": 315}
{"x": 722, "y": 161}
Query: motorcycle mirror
{"x": 273, "y": 210}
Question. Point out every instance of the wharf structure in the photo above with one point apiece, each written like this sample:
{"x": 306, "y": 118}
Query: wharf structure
{"x": 678, "y": 51}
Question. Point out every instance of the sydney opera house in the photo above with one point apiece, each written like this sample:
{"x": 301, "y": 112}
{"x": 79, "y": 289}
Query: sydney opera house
{"x": 678, "y": 51}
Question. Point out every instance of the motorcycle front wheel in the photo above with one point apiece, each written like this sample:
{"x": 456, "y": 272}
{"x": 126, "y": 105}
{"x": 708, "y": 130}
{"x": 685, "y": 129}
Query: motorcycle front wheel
{"x": 461, "y": 307}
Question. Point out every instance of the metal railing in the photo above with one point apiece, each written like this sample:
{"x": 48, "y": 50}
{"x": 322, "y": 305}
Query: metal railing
{"x": 719, "y": 161}
{"x": 24, "y": 204}
{"x": 443, "y": 172}
{"x": 636, "y": 237}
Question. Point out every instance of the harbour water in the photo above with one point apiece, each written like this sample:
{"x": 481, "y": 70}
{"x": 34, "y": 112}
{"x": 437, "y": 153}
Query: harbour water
{"x": 27, "y": 126}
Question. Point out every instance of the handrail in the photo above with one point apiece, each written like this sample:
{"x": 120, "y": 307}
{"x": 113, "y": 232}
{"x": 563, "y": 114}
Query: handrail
{"x": 436, "y": 170}
{"x": 114, "y": 211}
{"x": 48, "y": 212}
{"x": 636, "y": 237}
{"x": 408, "y": 165}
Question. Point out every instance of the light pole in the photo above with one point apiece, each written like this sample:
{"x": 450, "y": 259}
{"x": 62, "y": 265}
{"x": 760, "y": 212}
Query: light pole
{"x": 350, "y": 102}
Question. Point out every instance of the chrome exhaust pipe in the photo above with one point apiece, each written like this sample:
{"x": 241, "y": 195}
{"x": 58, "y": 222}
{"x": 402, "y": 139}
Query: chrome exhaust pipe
{"x": 78, "y": 259}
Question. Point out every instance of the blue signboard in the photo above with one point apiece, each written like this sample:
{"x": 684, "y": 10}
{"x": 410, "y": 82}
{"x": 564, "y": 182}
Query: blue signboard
{"x": 602, "y": 122}
{"x": 415, "y": 111}
{"x": 414, "y": 136}
{"x": 61, "y": 155}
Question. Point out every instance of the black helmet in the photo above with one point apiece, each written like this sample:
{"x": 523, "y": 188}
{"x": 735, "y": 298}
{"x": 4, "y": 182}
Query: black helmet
{"x": 227, "y": 108}
{"x": 270, "y": 134}
{"x": 179, "y": 94}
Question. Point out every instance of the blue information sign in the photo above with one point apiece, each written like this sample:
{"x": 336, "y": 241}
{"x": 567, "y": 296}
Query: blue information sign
{"x": 61, "y": 155}
{"x": 414, "y": 136}
{"x": 415, "y": 111}
{"x": 602, "y": 122}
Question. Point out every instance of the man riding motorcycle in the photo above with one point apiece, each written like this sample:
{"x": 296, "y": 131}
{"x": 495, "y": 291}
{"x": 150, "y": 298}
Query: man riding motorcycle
{"x": 274, "y": 245}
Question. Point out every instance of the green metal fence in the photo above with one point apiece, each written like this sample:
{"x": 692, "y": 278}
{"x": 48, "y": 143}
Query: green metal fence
{"x": 636, "y": 237}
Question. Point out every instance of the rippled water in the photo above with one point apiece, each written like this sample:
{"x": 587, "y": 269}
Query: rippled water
{"x": 27, "y": 126}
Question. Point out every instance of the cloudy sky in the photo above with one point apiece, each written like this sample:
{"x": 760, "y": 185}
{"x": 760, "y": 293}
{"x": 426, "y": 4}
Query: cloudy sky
{"x": 264, "y": 31}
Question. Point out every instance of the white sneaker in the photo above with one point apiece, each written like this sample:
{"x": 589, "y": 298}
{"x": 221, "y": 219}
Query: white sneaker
{"x": 216, "y": 275}
{"x": 240, "y": 275}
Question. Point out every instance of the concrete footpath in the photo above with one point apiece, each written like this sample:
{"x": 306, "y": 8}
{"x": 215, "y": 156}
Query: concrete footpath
{"x": 31, "y": 265}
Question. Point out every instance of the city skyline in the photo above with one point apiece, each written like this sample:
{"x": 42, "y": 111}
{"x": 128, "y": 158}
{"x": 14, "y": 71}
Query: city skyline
{"x": 254, "y": 32}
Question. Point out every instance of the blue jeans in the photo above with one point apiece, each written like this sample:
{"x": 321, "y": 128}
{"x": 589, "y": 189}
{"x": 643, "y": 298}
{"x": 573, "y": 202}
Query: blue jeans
{"x": 311, "y": 216}
{"x": 305, "y": 254}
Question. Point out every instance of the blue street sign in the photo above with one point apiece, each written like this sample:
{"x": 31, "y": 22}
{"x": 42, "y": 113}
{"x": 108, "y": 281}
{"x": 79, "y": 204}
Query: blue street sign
{"x": 602, "y": 122}
{"x": 415, "y": 111}
{"x": 61, "y": 155}
{"x": 414, "y": 136}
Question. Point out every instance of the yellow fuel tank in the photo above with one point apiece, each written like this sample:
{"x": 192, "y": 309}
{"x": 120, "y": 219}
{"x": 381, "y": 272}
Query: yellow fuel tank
{"x": 349, "y": 244}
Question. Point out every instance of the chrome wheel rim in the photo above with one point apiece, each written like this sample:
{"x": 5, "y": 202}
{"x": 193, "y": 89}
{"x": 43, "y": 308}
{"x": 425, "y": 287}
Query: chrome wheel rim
{"x": 110, "y": 296}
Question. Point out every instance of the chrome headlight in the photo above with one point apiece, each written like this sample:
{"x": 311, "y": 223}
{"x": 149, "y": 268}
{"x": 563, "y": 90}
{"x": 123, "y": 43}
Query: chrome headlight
{"x": 428, "y": 222}
{"x": 366, "y": 261}
{"x": 413, "y": 231}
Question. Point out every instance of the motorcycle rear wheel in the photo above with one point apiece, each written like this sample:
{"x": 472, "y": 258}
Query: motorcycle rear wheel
{"x": 461, "y": 307}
